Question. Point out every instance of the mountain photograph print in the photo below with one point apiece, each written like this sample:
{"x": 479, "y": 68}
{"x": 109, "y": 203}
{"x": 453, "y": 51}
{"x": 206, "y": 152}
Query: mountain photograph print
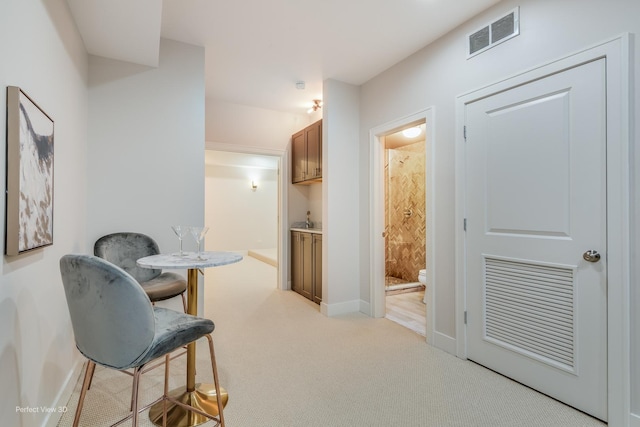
{"x": 29, "y": 203}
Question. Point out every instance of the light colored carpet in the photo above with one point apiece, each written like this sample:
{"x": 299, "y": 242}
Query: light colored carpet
{"x": 286, "y": 365}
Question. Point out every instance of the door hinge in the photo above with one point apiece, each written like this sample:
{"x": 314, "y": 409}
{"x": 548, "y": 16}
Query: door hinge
{"x": 465, "y": 224}
{"x": 464, "y": 131}
{"x": 465, "y": 317}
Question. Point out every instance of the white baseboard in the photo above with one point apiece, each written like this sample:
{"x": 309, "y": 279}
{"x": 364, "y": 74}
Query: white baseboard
{"x": 337, "y": 309}
{"x": 444, "y": 342}
{"x": 264, "y": 258}
{"x": 64, "y": 395}
{"x": 365, "y": 308}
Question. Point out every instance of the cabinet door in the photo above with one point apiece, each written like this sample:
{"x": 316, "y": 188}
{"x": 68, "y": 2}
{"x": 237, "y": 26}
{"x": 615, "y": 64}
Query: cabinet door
{"x": 298, "y": 157}
{"x": 313, "y": 138}
{"x": 307, "y": 269}
{"x": 296, "y": 262}
{"x": 317, "y": 268}
{"x": 301, "y": 264}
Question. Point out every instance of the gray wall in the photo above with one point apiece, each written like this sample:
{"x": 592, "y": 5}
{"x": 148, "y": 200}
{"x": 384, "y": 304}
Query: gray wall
{"x": 340, "y": 152}
{"x": 129, "y": 155}
{"x": 434, "y": 76}
{"x": 146, "y": 144}
{"x": 43, "y": 54}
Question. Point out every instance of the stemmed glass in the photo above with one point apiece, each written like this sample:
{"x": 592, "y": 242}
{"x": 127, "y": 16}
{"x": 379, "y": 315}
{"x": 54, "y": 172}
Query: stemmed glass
{"x": 198, "y": 235}
{"x": 180, "y": 231}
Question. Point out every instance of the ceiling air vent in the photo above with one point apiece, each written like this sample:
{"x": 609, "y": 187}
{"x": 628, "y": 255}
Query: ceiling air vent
{"x": 495, "y": 33}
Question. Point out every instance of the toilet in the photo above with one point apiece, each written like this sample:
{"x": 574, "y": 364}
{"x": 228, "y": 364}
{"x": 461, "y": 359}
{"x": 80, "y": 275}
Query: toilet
{"x": 422, "y": 277}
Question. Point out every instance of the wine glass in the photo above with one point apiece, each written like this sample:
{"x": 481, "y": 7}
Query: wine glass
{"x": 180, "y": 231}
{"x": 198, "y": 235}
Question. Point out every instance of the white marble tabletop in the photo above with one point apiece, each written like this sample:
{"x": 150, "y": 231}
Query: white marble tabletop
{"x": 190, "y": 260}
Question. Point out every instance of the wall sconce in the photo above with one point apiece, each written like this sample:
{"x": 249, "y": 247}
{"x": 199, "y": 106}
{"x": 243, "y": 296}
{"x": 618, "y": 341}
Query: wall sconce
{"x": 254, "y": 185}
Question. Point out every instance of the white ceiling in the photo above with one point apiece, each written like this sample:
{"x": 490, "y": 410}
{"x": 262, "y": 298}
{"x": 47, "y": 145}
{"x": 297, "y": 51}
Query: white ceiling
{"x": 256, "y": 50}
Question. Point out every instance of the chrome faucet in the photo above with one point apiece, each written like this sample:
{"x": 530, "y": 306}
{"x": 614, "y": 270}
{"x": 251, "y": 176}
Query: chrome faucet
{"x": 308, "y": 224}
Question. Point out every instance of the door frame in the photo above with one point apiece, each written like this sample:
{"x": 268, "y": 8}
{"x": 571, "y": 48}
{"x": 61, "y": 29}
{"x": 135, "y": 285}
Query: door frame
{"x": 283, "y": 217}
{"x": 617, "y": 52}
{"x": 377, "y": 209}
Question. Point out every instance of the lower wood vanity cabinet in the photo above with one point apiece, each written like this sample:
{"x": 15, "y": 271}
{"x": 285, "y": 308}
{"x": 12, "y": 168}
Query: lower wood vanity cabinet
{"x": 306, "y": 264}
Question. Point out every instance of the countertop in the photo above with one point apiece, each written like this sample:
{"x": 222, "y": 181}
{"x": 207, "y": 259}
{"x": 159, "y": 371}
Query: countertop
{"x": 307, "y": 230}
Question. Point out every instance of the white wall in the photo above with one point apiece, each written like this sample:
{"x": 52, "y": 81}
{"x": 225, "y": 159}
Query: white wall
{"x": 239, "y": 218}
{"x": 253, "y": 127}
{"x": 340, "y": 203}
{"x": 437, "y": 74}
{"x": 314, "y": 205}
{"x": 246, "y": 129}
{"x": 146, "y": 145}
{"x": 43, "y": 54}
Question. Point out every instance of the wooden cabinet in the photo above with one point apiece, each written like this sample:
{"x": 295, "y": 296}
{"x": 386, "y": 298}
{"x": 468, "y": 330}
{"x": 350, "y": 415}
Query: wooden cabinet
{"x": 316, "y": 250}
{"x": 306, "y": 154}
{"x": 298, "y": 157}
{"x": 306, "y": 265}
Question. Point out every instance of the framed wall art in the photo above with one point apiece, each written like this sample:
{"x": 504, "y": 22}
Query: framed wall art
{"x": 29, "y": 196}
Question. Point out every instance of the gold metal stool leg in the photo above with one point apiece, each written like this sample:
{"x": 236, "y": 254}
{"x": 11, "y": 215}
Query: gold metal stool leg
{"x": 196, "y": 403}
{"x": 191, "y": 408}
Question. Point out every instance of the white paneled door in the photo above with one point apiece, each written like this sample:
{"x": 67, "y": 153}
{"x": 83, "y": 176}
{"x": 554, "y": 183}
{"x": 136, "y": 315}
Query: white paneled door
{"x": 535, "y": 206}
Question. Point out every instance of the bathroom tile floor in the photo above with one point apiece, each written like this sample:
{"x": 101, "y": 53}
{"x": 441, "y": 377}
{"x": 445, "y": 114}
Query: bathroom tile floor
{"x": 408, "y": 309}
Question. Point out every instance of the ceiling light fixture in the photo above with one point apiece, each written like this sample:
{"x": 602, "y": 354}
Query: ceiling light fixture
{"x": 317, "y": 104}
{"x": 300, "y": 85}
{"x": 412, "y": 132}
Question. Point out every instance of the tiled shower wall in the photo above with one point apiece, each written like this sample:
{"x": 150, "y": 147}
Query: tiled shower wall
{"x": 405, "y": 223}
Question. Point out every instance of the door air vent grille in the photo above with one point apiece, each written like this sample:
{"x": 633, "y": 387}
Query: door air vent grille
{"x": 530, "y": 310}
{"x": 495, "y": 33}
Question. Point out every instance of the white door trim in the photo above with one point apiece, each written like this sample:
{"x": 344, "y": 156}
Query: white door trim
{"x": 376, "y": 168}
{"x": 617, "y": 53}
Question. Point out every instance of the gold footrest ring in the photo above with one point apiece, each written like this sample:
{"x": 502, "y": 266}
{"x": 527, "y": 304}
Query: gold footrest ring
{"x": 203, "y": 398}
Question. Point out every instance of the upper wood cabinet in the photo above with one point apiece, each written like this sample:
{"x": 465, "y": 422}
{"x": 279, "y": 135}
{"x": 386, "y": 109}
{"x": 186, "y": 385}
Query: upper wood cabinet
{"x": 306, "y": 154}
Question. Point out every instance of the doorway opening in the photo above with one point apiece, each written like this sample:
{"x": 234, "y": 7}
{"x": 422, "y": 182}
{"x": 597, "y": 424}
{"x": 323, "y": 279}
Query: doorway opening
{"x": 243, "y": 192}
{"x": 405, "y": 226}
{"x": 405, "y": 208}
{"x": 402, "y": 232}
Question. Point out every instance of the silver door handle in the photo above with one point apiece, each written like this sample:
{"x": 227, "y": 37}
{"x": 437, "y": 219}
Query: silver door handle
{"x": 591, "y": 256}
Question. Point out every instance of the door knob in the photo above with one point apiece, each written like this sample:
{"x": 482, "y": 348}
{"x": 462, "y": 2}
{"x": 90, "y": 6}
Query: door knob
{"x": 591, "y": 256}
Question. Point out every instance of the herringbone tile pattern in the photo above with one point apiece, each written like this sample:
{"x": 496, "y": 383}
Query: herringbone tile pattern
{"x": 405, "y": 221}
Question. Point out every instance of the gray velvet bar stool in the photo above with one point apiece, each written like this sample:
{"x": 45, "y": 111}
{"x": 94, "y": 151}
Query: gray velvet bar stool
{"x": 124, "y": 249}
{"x": 116, "y": 326}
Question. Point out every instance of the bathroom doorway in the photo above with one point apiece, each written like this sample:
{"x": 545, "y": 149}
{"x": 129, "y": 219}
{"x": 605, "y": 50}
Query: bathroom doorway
{"x": 405, "y": 226}
{"x": 402, "y": 222}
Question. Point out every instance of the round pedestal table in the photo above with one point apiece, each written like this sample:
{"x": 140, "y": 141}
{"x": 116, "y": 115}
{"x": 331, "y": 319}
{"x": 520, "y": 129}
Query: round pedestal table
{"x": 200, "y": 396}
